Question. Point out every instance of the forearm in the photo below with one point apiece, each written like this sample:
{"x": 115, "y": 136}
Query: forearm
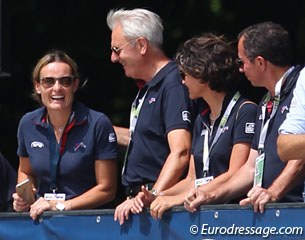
{"x": 91, "y": 199}
{"x": 291, "y": 146}
{"x": 238, "y": 184}
{"x": 123, "y": 135}
{"x": 292, "y": 174}
{"x": 172, "y": 171}
{"x": 182, "y": 187}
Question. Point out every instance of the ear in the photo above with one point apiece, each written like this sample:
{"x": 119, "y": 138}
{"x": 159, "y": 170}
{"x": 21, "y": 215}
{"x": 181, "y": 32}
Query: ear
{"x": 143, "y": 44}
{"x": 261, "y": 61}
{"x": 75, "y": 85}
{"x": 37, "y": 88}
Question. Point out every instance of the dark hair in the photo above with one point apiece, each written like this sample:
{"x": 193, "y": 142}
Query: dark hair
{"x": 269, "y": 40}
{"x": 52, "y": 56}
{"x": 212, "y": 59}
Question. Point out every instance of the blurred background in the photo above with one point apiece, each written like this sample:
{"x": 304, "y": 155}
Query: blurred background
{"x": 30, "y": 28}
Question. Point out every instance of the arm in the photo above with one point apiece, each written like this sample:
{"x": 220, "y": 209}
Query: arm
{"x": 292, "y": 174}
{"x": 123, "y": 135}
{"x": 175, "y": 195}
{"x": 103, "y": 192}
{"x": 24, "y": 172}
{"x": 232, "y": 189}
{"x": 291, "y": 146}
{"x": 238, "y": 158}
{"x": 180, "y": 144}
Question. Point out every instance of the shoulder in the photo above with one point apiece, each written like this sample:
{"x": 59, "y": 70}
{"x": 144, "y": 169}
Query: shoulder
{"x": 32, "y": 116}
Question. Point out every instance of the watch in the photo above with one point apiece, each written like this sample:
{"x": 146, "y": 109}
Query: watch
{"x": 154, "y": 192}
{"x": 60, "y": 206}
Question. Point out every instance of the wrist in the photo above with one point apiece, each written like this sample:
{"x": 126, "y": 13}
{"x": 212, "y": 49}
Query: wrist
{"x": 154, "y": 192}
{"x": 60, "y": 206}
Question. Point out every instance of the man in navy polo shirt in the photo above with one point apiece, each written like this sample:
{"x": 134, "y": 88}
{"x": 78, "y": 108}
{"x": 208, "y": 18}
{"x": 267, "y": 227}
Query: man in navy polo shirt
{"x": 159, "y": 136}
{"x": 264, "y": 52}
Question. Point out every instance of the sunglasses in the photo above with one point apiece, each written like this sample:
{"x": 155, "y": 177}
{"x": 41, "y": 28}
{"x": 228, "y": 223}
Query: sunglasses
{"x": 117, "y": 50}
{"x": 65, "y": 81}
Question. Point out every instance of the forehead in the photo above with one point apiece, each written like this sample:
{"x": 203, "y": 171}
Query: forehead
{"x": 240, "y": 46}
{"x": 117, "y": 34}
{"x": 55, "y": 68}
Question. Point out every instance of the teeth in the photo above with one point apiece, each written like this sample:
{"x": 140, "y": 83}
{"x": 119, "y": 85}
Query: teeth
{"x": 57, "y": 97}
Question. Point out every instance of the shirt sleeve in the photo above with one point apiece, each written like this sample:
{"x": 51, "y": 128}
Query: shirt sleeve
{"x": 295, "y": 119}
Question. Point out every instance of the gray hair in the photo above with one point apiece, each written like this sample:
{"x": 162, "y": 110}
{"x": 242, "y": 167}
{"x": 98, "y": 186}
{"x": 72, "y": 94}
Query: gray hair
{"x": 138, "y": 23}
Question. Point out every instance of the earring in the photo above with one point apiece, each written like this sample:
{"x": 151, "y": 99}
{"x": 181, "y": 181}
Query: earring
{"x": 38, "y": 92}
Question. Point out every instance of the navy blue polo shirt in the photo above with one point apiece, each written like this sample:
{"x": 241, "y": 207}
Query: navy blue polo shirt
{"x": 238, "y": 129}
{"x": 166, "y": 107}
{"x": 91, "y": 138}
{"x": 273, "y": 165}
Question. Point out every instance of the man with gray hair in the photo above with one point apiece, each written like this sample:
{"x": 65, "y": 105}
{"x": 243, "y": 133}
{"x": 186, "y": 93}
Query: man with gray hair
{"x": 159, "y": 136}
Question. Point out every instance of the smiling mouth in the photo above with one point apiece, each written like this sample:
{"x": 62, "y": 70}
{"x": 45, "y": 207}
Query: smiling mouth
{"x": 57, "y": 97}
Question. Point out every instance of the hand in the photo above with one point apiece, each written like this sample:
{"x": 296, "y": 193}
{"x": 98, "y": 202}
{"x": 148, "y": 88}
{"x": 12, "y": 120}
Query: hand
{"x": 143, "y": 199}
{"x": 258, "y": 197}
{"x": 161, "y": 204}
{"x": 19, "y": 204}
{"x": 197, "y": 197}
{"x": 122, "y": 211}
{"x": 38, "y": 207}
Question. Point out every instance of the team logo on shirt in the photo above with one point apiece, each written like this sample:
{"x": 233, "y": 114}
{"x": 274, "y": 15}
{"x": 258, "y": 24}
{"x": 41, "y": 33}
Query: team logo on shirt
{"x": 111, "y": 137}
{"x": 37, "y": 144}
{"x": 79, "y": 145}
{"x": 285, "y": 108}
{"x": 186, "y": 116}
{"x": 249, "y": 128}
{"x": 152, "y": 100}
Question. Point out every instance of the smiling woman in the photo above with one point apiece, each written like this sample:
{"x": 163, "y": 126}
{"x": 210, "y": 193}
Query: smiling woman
{"x": 67, "y": 150}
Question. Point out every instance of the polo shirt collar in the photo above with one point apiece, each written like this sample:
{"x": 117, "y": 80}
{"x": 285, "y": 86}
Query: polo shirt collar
{"x": 170, "y": 66}
{"x": 79, "y": 111}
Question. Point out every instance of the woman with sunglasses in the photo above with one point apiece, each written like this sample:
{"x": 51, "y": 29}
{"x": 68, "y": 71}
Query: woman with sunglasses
{"x": 224, "y": 128}
{"x": 65, "y": 149}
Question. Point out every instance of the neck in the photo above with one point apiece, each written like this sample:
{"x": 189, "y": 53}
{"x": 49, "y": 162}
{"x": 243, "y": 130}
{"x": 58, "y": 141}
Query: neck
{"x": 275, "y": 75}
{"x": 59, "y": 119}
{"x": 215, "y": 101}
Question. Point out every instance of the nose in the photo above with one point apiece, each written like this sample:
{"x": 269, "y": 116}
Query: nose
{"x": 114, "y": 57}
{"x": 57, "y": 85}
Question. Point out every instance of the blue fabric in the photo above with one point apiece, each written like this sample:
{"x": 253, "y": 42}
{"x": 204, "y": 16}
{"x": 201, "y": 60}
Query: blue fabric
{"x": 273, "y": 164}
{"x": 236, "y": 130}
{"x": 91, "y": 138}
{"x": 161, "y": 112}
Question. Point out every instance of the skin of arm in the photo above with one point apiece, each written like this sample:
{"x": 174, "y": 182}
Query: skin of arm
{"x": 180, "y": 144}
{"x": 229, "y": 190}
{"x": 175, "y": 195}
{"x": 291, "y": 146}
{"x": 123, "y": 135}
{"x": 292, "y": 174}
{"x": 103, "y": 192}
{"x": 171, "y": 172}
{"x": 239, "y": 156}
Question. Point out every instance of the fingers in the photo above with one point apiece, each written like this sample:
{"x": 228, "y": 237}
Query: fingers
{"x": 138, "y": 203}
{"x": 258, "y": 197}
{"x": 122, "y": 211}
{"x": 159, "y": 206}
{"x": 19, "y": 205}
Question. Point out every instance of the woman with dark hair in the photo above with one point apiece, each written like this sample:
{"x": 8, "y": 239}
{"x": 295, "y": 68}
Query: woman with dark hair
{"x": 225, "y": 125}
